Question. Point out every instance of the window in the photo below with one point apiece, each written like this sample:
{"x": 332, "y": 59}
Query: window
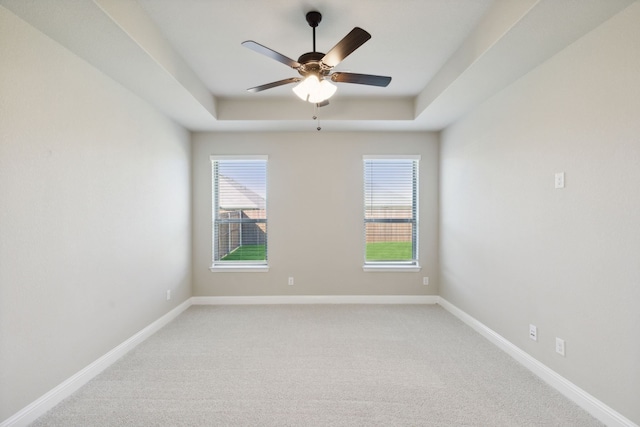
{"x": 391, "y": 212}
{"x": 239, "y": 185}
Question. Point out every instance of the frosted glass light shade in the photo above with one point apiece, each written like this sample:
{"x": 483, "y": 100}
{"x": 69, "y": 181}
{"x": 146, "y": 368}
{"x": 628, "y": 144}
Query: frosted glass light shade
{"x": 313, "y": 90}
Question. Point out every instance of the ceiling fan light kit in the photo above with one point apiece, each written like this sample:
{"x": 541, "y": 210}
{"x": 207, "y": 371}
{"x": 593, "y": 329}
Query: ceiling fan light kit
{"x": 315, "y": 67}
{"x": 313, "y": 90}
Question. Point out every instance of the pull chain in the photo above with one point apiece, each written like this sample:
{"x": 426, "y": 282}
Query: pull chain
{"x": 316, "y": 117}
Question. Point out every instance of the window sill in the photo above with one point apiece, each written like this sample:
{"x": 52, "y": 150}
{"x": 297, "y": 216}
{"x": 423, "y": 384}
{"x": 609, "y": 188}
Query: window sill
{"x": 391, "y": 268}
{"x": 244, "y": 268}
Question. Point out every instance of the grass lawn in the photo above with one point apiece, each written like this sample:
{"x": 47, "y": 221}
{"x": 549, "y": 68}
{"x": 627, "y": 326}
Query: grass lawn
{"x": 383, "y": 251}
{"x": 389, "y": 251}
{"x": 246, "y": 253}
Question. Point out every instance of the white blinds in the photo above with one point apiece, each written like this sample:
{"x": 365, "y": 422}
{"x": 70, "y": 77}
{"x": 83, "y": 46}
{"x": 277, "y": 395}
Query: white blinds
{"x": 239, "y": 209}
{"x": 391, "y": 209}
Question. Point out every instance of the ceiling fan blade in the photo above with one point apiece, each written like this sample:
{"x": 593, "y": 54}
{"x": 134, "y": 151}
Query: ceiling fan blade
{"x": 274, "y": 84}
{"x": 356, "y": 38}
{"x": 323, "y": 103}
{"x": 362, "y": 79}
{"x": 257, "y": 47}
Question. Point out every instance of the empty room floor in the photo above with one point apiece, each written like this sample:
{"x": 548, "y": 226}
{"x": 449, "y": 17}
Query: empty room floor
{"x": 313, "y": 365}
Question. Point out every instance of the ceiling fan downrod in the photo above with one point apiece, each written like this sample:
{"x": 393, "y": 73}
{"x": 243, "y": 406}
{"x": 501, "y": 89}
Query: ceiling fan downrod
{"x": 313, "y": 19}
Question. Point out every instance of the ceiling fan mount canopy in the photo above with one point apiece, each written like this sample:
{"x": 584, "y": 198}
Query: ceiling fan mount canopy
{"x": 314, "y": 18}
{"x": 319, "y": 65}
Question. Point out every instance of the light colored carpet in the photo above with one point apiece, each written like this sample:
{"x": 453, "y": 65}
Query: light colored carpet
{"x": 316, "y": 365}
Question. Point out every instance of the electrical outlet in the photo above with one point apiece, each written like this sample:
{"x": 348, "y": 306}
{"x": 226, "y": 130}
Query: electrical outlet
{"x": 425, "y": 281}
{"x": 290, "y": 281}
{"x": 560, "y": 346}
{"x": 559, "y": 180}
{"x": 168, "y": 294}
{"x": 533, "y": 332}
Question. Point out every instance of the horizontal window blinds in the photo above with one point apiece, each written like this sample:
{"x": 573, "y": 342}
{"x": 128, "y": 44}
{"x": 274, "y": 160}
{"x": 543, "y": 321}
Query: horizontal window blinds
{"x": 391, "y": 210}
{"x": 239, "y": 210}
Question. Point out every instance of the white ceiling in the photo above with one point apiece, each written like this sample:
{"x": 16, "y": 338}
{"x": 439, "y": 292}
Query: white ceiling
{"x": 185, "y": 57}
{"x": 208, "y": 35}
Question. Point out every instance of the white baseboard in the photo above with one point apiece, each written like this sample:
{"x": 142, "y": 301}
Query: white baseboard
{"x": 595, "y": 407}
{"x": 317, "y": 299}
{"x": 39, "y": 407}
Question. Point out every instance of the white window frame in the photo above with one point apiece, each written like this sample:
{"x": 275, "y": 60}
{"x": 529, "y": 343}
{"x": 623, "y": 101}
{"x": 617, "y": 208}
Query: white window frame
{"x": 393, "y": 266}
{"x": 233, "y": 266}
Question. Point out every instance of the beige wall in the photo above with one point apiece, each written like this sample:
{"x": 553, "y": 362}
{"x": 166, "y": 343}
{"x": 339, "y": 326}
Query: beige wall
{"x": 314, "y": 178}
{"x": 516, "y": 251}
{"x": 94, "y": 215}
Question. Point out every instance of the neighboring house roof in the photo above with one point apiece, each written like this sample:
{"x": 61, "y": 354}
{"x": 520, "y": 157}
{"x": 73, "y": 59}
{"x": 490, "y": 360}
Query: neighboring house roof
{"x": 234, "y": 195}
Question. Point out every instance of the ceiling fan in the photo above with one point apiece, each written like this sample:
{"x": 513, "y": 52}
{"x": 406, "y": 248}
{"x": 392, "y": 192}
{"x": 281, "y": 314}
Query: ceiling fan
{"x": 315, "y": 67}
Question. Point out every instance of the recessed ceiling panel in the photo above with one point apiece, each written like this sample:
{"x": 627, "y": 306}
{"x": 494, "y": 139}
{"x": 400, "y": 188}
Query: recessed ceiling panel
{"x": 410, "y": 41}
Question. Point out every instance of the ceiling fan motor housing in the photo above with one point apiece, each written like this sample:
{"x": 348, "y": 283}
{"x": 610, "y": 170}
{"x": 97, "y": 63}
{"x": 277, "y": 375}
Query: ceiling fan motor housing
{"x": 311, "y": 63}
